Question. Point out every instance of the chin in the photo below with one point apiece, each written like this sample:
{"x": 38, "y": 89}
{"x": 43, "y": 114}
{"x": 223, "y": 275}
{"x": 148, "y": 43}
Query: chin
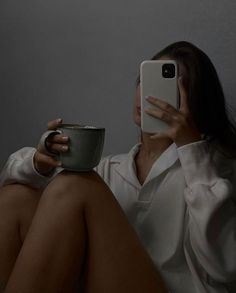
{"x": 137, "y": 121}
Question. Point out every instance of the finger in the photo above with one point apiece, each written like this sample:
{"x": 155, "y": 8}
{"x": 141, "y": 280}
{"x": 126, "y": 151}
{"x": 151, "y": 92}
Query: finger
{"x": 183, "y": 96}
{"x": 47, "y": 160}
{"x": 58, "y": 138}
{"x": 57, "y": 148}
{"x": 158, "y": 113}
{"x": 54, "y": 124}
{"x": 161, "y": 104}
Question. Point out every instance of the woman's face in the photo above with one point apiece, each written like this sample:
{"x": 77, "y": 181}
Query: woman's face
{"x": 137, "y": 99}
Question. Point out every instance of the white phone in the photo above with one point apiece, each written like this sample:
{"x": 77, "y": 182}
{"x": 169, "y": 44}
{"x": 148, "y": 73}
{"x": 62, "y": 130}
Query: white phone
{"x": 158, "y": 78}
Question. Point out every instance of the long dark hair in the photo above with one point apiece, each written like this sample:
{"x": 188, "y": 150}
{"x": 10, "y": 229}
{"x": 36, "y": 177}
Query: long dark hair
{"x": 206, "y": 99}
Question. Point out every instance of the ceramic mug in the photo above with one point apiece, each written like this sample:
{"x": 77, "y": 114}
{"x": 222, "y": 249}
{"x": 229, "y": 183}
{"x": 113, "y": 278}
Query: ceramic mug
{"x": 85, "y": 147}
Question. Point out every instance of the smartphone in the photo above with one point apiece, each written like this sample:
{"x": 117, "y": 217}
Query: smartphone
{"x": 158, "y": 78}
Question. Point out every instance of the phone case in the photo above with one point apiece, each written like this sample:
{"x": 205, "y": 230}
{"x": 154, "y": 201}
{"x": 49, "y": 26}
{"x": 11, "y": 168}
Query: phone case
{"x": 153, "y": 83}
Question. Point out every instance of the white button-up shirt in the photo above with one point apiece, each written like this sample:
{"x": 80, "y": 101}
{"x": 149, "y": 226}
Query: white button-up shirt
{"x": 184, "y": 213}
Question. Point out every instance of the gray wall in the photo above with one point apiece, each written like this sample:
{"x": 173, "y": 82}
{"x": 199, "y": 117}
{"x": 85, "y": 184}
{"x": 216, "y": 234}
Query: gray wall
{"x": 79, "y": 59}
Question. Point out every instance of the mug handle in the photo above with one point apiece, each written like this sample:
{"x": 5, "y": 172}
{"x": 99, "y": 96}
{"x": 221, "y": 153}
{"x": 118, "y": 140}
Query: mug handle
{"x": 43, "y": 141}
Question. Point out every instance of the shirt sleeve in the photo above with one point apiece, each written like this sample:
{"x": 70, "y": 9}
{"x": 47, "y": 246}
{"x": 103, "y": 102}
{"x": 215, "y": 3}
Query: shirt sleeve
{"x": 19, "y": 168}
{"x": 211, "y": 208}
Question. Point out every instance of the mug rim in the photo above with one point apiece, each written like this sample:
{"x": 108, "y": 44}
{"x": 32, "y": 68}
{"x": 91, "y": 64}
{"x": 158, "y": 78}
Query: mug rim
{"x": 80, "y": 126}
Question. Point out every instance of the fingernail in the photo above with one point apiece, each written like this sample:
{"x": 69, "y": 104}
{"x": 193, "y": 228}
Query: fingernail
{"x": 59, "y": 164}
{"x": 147, "y": 97}
{"x": 65, "y": 138}
{"x": 59, "y": 120}
{"x": 64, "y": 147}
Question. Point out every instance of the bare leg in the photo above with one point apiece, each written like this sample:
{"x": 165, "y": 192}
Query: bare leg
{"x": 17, "y": 206}
{"x": 78, "y": 211}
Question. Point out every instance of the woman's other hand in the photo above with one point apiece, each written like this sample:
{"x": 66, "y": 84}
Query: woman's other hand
{"x": 46, "y": 161}
{"x": 182, "y": 129}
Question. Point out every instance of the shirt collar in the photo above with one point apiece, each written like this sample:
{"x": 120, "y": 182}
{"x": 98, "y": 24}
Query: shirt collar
{"x": 127, "y": 168}
{"x": 164, "y": 162}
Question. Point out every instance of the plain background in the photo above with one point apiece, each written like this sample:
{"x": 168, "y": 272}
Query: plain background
{"x": 78, "y": 60}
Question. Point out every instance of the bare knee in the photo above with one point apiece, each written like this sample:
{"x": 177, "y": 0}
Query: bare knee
{"x": 74, "y": 193}
{"x": 82, "y": 183}
{"x": 18, "y": 204}
{"x": 17, "y": 197}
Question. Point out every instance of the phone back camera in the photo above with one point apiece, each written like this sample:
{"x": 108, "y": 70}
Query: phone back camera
{"x": 168, "y": 70}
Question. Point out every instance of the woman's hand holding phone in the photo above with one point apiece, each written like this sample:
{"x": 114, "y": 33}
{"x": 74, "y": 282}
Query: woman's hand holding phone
{"x": 182, "y": 129}
{"x": 46, "y": 161}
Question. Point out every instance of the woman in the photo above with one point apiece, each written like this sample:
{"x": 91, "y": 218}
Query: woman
{"x": 174, "y": 187}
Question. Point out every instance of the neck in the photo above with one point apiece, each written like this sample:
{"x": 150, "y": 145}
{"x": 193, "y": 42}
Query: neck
{"x": 153, "y": 148}
{"x": 149, "y": 151}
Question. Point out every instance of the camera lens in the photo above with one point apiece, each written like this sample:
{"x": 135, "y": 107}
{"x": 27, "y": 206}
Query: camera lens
{"x": 168, "y": 70}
